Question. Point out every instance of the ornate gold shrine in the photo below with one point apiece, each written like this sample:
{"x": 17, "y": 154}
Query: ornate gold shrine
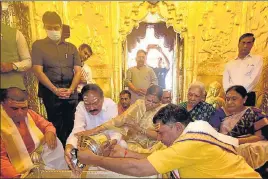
{"x": 209, "y": 31}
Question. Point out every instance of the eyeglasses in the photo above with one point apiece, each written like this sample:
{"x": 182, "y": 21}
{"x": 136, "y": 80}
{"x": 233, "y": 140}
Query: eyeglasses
{"x": 56, "y": 28}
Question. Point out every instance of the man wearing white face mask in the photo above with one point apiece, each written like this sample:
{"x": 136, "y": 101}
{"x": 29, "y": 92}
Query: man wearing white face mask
{"x": 57, "y": 66}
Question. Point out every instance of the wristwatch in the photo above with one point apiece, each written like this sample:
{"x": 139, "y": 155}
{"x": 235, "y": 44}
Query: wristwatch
{"x": 15, "y": 67}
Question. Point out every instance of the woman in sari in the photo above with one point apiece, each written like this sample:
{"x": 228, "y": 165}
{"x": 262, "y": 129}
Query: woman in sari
{"x": 136, "y": 123}
{"x": 248, "y": 124}
{"x": 195, "y": 105}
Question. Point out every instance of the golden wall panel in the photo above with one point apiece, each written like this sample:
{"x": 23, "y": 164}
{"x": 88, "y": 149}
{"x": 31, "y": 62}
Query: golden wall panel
{"x": 217, "y": 39}
{"x": 89, "y": 22}
{"x": 131, "y": 14}
{"x": 257, "y": 23}
{"x": 262, "y": 95}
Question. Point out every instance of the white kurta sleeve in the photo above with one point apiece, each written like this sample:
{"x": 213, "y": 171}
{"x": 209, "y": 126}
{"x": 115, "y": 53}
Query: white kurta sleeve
{"x": 79, "y": 124}
{"x": 25, "y": 62}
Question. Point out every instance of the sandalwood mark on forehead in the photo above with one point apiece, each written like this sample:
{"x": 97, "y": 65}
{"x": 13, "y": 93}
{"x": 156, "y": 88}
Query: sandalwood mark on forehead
{"x": 93, "y": 99}
{"x": 20, "y": 103}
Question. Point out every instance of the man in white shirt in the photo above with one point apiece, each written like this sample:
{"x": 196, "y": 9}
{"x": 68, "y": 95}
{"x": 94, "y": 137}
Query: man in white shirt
{"x": 93, "y": 111}
{"x": 85, "y": 52}
{"x": 245, "y": 70}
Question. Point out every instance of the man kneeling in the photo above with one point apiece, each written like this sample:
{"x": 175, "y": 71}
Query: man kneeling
{"x": 195, "y": 150}
{"x": 24, "y": 132}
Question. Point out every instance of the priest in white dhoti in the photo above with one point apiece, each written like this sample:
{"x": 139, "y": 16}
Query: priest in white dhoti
{"x": 26, "y": 135}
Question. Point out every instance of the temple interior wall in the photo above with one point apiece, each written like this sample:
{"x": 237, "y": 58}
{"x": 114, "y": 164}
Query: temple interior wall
{"x": 210, "y": 31}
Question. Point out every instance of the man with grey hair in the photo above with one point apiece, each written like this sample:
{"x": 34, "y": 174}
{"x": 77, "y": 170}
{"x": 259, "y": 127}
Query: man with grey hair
{"x": 198, "y": 109}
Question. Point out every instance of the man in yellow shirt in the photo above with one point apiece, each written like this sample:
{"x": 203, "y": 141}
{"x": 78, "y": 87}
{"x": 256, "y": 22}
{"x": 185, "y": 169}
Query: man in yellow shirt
{"x": 195, "y": 150}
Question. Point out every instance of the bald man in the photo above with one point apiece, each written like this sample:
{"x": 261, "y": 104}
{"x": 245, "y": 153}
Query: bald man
{"x": 24, "y": 132}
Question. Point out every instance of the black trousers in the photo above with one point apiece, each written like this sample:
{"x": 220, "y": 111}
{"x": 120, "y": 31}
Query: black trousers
{"x": 80, "y": 97}
{"x": 263, "y": 171}
{"x": 61, "y": 113}
{"x": 251, "y": 100}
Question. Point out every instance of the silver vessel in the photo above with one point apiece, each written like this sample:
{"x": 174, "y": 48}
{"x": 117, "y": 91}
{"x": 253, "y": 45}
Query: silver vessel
{"x": 94, "y": 143}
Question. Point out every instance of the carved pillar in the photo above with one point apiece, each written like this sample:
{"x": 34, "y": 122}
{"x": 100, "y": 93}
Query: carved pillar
{"x": 65, "y": 12}
{"x": 116, "y": 51}
{"x": 243, "y": 24}
{"x": 189, "y": 62}
{"x": 262, "y": 96}
{"x": 175, "y": 72}
{"x": 179, "y": 69}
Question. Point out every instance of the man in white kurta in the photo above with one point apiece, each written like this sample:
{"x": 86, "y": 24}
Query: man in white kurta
{"x": 93, "y": 111}
{"x": 244, "y": 70}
